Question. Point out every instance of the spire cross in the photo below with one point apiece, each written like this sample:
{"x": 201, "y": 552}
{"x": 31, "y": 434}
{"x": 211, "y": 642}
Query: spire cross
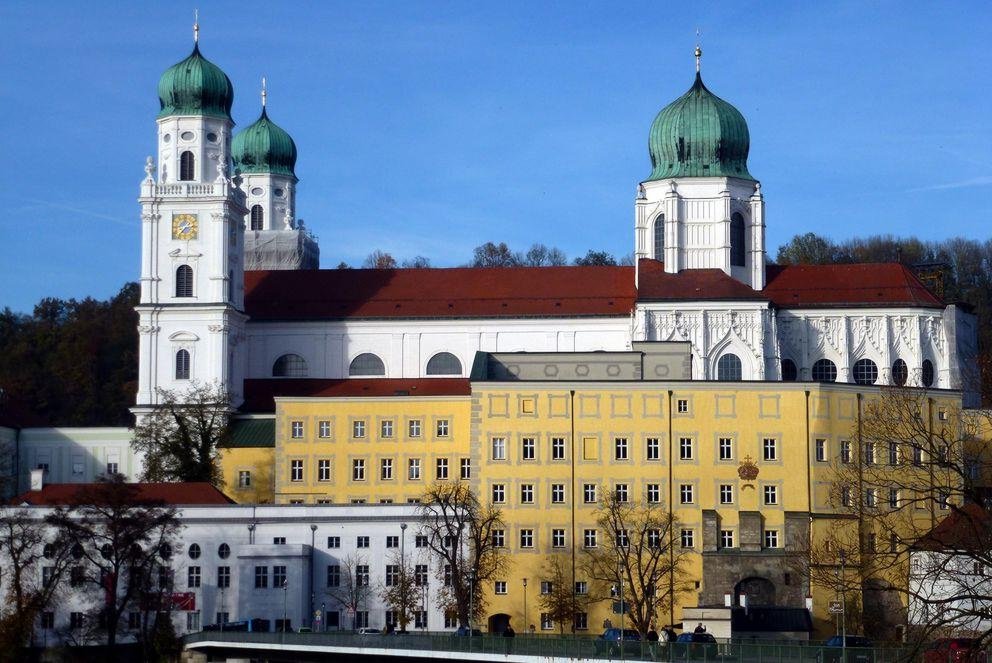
{"x": 264, "y": 93}
{"x": 699, "y": 51}
{"x": 196, "y": 26}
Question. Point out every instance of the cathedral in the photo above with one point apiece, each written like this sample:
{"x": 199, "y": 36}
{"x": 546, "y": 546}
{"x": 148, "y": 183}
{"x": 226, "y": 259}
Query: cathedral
{"x": 231, "y": 290}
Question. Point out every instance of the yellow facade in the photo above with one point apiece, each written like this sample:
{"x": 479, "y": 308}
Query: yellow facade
{"x": 257, "y": 486}
{"x": 549, "y": 451}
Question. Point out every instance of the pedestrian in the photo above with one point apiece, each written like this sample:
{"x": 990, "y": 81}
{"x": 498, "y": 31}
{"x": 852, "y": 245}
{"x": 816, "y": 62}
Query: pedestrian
{"x": 700, "y": 628}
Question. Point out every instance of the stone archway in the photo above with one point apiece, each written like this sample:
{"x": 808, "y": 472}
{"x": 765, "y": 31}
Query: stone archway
{"x": 759, "y": 591}
{"x": 498, "y": 623}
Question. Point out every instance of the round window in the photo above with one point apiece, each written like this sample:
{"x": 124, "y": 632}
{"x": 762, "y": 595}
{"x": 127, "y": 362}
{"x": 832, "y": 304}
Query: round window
{"x": 194, "y": 551}
{"x": 165, "y": 551}
{"x": 256, "y": 191}
{"x": 167, "y": 138}
{"x": 212, "y": 137}
{"x": 280, "y": 193}
{"x": 186, "y": 135}
{"x": 224, "y": 551}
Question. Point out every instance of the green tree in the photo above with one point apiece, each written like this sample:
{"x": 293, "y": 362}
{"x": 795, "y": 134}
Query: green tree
{"x": 595, "y": 258}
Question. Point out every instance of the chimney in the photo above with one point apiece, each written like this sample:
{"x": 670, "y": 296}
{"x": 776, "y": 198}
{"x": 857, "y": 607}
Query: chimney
{"x": 37, "y": 479}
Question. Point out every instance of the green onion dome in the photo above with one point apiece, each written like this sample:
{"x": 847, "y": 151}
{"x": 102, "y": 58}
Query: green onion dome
{"x": 264, "y": 147}
{"x": 195, "y": 86}
{"x": 699, "y": 135}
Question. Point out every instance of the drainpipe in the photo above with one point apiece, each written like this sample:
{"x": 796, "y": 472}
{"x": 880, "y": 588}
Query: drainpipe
{"x": 574, "y": 496}
{"x": 671, "y": 509}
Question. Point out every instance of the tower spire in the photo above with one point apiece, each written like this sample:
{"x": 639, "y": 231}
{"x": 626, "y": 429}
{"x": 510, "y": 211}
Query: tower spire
{"x": 264, "y": 93}
{"x": 699, "y": 51}
{"x": 196, "y": 26}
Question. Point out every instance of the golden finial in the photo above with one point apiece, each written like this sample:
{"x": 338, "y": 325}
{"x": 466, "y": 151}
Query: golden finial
{"x": 264, "y": 93}
{"x": 699, "y": 51}
{"x": 196, "y": 26}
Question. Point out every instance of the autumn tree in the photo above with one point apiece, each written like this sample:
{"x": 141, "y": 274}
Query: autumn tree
{"x": 379, "y": 260}
{"x": 459, "y": 530}
{"x": 118, "y": 539}
{"x": 399, "y": 591}
{"x": 180, "y": 438}
{"x": 637, "y": 553}
{"x": 348, "y": 584}
{"x": 561, "y": 602}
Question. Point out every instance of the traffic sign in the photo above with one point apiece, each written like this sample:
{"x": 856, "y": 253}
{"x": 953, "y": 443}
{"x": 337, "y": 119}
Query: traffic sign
{"x": 836, "y": 608}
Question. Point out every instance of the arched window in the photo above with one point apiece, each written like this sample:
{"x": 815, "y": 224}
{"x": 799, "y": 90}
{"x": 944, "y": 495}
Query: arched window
{"x": 290, "y": 366}
{"x": 789, "y": 372}
{"x": 194, "y": 551}
{"x": 927, "y": 373}
{"x": 728, "y": 367}
{"x": 182, "y": 365}
{"x": 187, "y": 166}
{"x": 865, "y": 371}
{"x": 444, "y": 363}
{"x": 900, "y": 372}
{"x": 737, "y": 237}
{"x": 824, "y": 370}
{"x": 659, "y": 237}
{"x": 366, "y": 364}
{"x": 257, "y": 217}
{"x": 184, "y": 281}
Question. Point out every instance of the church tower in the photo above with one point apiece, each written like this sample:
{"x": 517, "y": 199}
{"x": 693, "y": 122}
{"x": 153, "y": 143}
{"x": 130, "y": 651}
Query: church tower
{"x": 191, "y": 315}
{"x": 700, "y": 208}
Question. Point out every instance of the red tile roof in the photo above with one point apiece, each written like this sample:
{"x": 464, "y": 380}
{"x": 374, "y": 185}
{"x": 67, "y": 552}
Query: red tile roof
{"x": 967, "y": 529}
{"x": 463, "y": 292}
{"x": 870, "y": 284}
{"x": 172, "y": 494}
{"x": 690, "y": 285}
{"x": 259, "y": 393}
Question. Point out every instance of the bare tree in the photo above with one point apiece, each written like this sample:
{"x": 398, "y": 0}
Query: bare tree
{"x": 459, "y": 531}
{"x": 379, "y": 260}
{"x": 539, "y": 255}
{"x": 117, "y": 539}
{"x": 494, "y": 255}
{"x": 399, "y": 591}
{"x": 350, "y": 586}
{"x": 638, "y": 555}
{"x": 417, "y": 262}
{"x": 561, "y": 602}
{"x": 180, "y": 438}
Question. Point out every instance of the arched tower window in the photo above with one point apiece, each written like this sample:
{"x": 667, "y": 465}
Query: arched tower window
{"x": 824, "y": 370}
{"x": 257, "y": 217}
{"x": 865, "y": 371}
{"x": 184, "y": 281}
{"x": 737, "y": 236}
{"x": 187, "y": 166}
{"x": 290, "y": 366}
{"x": 900, "y": 372}
{"x": 789, "y": 371}
{"x": 444, "y": 363}
{"x": 729, "y": 368}
{"x": 367, "y": 364}
{"x": 927, "y": 373}
{"x": 182, "y": 365}
{"x": 659, "y": 237}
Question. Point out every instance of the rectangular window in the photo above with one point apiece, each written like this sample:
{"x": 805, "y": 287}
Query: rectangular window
{"x": 392, "y": 575}
{"x": 769, "y": 449}
{"x": 726, "y": 538}
{"x": 872, "y": 542}
{"x": 392, "y": 542}
{"x": 621, "y": 493}
{"x": 871, "y": 498}
{"x": 685, "y": 448}
{"x": 620, "y": 448}
{"x": 296, "y": 470}
{"x": 361, "y": 619}
{"x": 557, "y": 448}
{"x": 869, "y": 453}
{"x": 112, "y": 468}
{"x": 441, "y": 429}
{"x": 499, "y": 587}
{"x": 420, "y": 619}
{"x": 333, "y": 575}
{"x": 893, "y": 498}
{"x": 845, "y": 496}
{"x": 224, "y": 576}
{"x": 278, "y": 576}
{"x": 441, "y": 471}
{"x": 48, "y": 620}
{"x": 821, "y": 449}
{"x": 296, "y": 429}
{"x": 358, "y": 469}
{"x": 726, "y": 493}
{"x": 687, "y": 493}
{"x": 546, "y": 587}
{"x": 413, "y": 469}
{"x": 499, "y": 448}
{"x": 688, "y": 538}
{"x": 324, "y": 470}
{"x": 943, "y": 500}
{"x": 527, "y": 493}
{"x": 581, "y": 621}
{"x": 499, "y": 493}
{"x": 526, "y": 538}
{"x": 652, "y": 449}
{"x": 386, "y": 469}
{"x": 465, "y": 469}
{"x": 547, "y": 624}
{"x": 581, "y": 587}
{"x": 75, "y": 620}
{"x": 682, "y": 406}
{"x": 261, "y": 577}
{"x": 386, "y": 428}
{"x": 244, "y": 479}
{"x": 420, "y": 541}
{"x": 361, "y": 575}
{"x": 362, "y": 542}
{"x": 589, "y": 493}
{"x": 557, "y": 538}
{"x": 413, "y": 428}
{"x": 193, "y": 621}
{"x": 358, "y": 428}
{"x": 917, "y": 456}
{"x": 450, "y": 619}
{"x": 771, "y": 538}
{"x": 499, "y": 538}
{"x": 279, "y": 540}
{"x": 324, "y": 429}
{"x": 652, "y": 493}
{"x": 557, "y": 493}
{"x": 893, "y": 453}
{"x": 334, "y": 542}
{"x": 845, "y": 451}
{"x": 726, "y": 448}
{"x": 589, "y": 538}
{"x": 193, "y": 577}
{"x": 528, "y": 448}
{"x": 420, "y": 575}
{"x": 771, "y": 495}
{"x": 623, "y": 539}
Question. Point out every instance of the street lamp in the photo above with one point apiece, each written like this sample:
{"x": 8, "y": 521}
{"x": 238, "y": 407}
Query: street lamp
{"x": 404, "y": 579}
{"x": 525, "y": 604}
{"x": 285, "y": 610}
{"x": 313, "y": 533}
{"x": 251, "y": 533}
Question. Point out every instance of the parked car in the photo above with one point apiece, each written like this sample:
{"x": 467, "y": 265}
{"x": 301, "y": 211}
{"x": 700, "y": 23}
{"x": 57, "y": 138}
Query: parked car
{"x": 694, "y": 646}
{"x": 609, "y": 641}
{"x": 859, "y": 650}
{"x": 462, "y": 631}
{"x": 369, "y": 631}
{"x": 304, "y": 629}
{"x": 954, "y": 650}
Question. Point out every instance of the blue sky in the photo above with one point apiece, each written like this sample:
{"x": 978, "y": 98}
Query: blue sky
{"x": 429, "y": 128}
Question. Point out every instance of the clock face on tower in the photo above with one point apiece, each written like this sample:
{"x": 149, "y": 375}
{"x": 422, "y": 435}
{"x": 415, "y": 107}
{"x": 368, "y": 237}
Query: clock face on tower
{"x": 184, "y": 226}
